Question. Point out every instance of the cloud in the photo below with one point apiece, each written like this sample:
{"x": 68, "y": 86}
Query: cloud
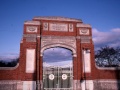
{"x": 7, "y": 57}
{"x": 110, "y": 38}
{"x": 57, "y": 54}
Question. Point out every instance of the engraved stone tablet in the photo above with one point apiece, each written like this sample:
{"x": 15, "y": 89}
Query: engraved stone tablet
{"x": 58, "y": 27}
{"x": 87, "y": 65}
{"x": 30, "y": 60}
{"x": 31, "y": 29}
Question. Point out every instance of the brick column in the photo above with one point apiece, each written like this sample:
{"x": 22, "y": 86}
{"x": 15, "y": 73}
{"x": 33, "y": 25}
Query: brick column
{"x": 41, "y": 72}
{"x": 38, "y": 85}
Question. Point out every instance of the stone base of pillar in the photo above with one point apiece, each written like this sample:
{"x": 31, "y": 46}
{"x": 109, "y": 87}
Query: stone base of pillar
{"x": 11, "y": 85}
{"x": 39, "y": 85}
{"x": 87, "y": 85}
{"x": 76, "y": 85}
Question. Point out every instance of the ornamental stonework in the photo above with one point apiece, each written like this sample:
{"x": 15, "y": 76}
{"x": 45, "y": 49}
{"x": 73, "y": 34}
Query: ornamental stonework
{"x": 45, "y": 26}
{"x": 31, "y": 29}
{"x": 84, "y": 31}
{"x": 70, "y": 27}
{"x": 58, "y": 27}
{"x": 66, "y": 40}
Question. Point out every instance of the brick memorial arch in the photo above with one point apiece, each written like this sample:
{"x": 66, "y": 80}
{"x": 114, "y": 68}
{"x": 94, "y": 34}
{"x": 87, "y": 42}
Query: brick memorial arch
{"x": 47, "y": 32}
{"x": 42, "y": 33}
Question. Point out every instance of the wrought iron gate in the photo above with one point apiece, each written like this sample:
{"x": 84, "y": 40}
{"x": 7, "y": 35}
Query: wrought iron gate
{"x": 57, "y": 78}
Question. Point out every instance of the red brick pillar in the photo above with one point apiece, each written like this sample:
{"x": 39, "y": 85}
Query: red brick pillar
{"x": 75, "y": 71}
{"x": 79, "y": 59}
{"x": 76, "y": 82}
{"x": 38, "y": 63}
{"x": 41, "y": 72}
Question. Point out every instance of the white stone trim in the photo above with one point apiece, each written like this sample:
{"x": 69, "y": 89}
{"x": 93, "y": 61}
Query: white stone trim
{"x": 86, "y": 61}
{"x": 87, "y": 85}
{"x": 106, "y": 84}
{"x": 85, "y": 37}
{"x": 9, "y": 81}
{"x": 30, "y": 35}
{"x": 76, "y": 85}
{"x": 83, "y": 25}
{"x": 74, "y": 55}
{"x": 21, "y": 40}
{"x": 57, "y": 18}
{"x": 9, "y": 68}
{"x": 11, "y": 84}
{"x": 107, "y": 80}
{"x": 32, "y": 22}
{"x": 30, "y": 60}
{"x": 38, "y": 36}
{"x": 29, "y": 85}
{"x": 107, "y": 68}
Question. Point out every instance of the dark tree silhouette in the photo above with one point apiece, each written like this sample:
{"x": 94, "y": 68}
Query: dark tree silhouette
{"x": 9, "y": 64}
{"x": 108, "y": 56}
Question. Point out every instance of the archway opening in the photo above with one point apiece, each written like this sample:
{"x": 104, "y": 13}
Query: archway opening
{"x": 57, "y": 68}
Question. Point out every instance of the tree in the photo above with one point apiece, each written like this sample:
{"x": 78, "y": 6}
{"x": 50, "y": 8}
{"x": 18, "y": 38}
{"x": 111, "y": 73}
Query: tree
{"x": 108, "y": 56}
{"x": 9, "y": 64}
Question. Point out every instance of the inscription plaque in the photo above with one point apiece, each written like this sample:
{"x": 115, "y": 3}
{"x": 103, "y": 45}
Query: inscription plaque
{"x": 30, "y": 60}
{"x": 58, "y": 27}
{"x": 86, "y": 58}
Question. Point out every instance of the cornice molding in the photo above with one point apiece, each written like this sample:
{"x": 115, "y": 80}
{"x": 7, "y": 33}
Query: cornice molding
{"x": 56, "y": 18}
{"x": 83, "y": 25}
{"x": 32, "y": 22}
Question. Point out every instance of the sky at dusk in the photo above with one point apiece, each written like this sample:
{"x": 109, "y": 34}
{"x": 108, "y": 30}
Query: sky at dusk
{"x": 102, "y": 15}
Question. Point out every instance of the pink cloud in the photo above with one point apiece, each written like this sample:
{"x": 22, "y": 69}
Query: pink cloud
{"x": 110, "y": 38}
{"x": 8, "y": 56}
